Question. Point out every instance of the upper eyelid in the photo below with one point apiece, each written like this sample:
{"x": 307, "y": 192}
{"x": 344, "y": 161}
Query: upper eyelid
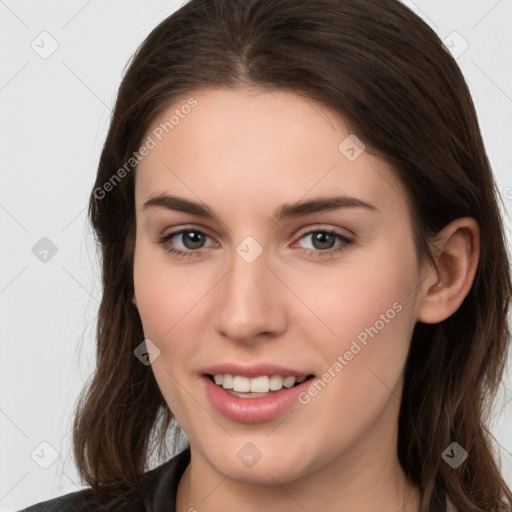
{"x": 321, "y": 227}
{"x": 181, "y": 229}
{"x": 302, "y": 232}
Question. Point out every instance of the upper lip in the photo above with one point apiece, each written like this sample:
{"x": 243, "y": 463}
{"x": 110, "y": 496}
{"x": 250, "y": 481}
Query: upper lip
{"x": 254, "y": 370}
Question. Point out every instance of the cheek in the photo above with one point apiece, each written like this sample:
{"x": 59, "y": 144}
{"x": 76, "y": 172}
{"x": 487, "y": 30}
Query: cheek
{"x": 155, "y": 302}
{"x": 166, "y": 297}
{"x": 369, "y": 310}
{"x": 165, "y": 300}
{"x": 363, "y": 366}
{"x": 369, "y": 296}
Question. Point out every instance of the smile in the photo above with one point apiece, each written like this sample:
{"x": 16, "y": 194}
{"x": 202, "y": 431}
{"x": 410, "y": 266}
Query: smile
{"x": 252, "y": 400}
{"x": 259, "y": 385}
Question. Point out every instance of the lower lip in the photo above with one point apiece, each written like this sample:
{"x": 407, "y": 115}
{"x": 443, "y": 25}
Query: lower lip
{"x": 253, "y": 410}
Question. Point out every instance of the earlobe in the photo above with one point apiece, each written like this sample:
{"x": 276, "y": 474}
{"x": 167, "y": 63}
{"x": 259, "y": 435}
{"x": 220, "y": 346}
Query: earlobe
{"x": 457, "y": 254}
{"x": 134, "y": 300}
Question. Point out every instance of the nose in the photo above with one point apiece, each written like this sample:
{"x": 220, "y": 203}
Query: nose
{"x": 250, "y": 302}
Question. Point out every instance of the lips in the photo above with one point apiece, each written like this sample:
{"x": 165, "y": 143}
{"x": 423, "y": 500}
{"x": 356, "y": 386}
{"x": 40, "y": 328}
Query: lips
{"x": 254, "y": 371}
{"x": 253, "y": 407}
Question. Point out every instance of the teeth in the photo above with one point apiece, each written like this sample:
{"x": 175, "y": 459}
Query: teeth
{"x": 288, "y": 382}
{"x": 227, "y": 381}
{"x": 276, "y": 382}
{"x": 262, "y": 384}
{"x": 241, "y": 384}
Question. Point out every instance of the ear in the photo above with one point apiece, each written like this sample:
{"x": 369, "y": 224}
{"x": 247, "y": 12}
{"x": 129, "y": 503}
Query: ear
{"x": 134, "y": 300}
{"x": 456, "y": 253}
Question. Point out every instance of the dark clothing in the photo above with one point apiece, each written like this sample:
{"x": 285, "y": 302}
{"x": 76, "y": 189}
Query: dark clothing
{"x": 162, "y": 484}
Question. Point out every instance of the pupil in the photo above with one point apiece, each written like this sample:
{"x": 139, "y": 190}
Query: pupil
{"x": 321, "y": 238}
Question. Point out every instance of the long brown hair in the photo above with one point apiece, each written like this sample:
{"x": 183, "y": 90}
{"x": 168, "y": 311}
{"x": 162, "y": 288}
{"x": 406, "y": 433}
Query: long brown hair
{"x": 389, "y": 76}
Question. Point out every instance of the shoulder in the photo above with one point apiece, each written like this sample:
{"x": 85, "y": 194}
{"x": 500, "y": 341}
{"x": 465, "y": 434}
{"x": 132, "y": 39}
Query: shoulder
{"x": 75, "y": 501}
{"x": 161, "y": 484}
{"x": 81, "y": 501}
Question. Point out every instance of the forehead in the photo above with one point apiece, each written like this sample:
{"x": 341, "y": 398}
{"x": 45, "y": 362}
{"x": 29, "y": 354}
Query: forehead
{"x": 259, "y": 146}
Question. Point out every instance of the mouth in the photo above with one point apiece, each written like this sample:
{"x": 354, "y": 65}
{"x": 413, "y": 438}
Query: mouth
{"x": 254, "y": 399}
{"x": 259, "y": 387}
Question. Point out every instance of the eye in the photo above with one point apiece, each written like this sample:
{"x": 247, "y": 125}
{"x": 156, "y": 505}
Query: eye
{"x": 192, "y": 241}
{"x": 323, "y": 242}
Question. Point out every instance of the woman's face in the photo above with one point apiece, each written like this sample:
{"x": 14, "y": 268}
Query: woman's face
{"x": 270, "y": 289}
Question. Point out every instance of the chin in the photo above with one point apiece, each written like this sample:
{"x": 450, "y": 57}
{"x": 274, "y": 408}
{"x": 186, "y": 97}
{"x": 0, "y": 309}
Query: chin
{"x": 278, "y": 461}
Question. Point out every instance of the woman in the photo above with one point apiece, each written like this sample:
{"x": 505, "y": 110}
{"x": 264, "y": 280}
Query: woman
{"x": 303, "y": 265}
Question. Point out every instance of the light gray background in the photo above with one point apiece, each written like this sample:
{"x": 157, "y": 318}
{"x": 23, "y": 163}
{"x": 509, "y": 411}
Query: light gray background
{"x": 55, "y": 113}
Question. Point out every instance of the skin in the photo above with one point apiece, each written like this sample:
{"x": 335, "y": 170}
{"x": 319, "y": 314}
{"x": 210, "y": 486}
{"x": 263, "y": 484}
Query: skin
{"x": 244, "y": 152}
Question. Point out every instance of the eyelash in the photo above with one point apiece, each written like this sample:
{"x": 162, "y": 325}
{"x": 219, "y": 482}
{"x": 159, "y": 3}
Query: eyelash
{"x": 163, "y": 240}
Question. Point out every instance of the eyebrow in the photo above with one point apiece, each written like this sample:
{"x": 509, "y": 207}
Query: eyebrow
{"x": 287, "y": 210}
